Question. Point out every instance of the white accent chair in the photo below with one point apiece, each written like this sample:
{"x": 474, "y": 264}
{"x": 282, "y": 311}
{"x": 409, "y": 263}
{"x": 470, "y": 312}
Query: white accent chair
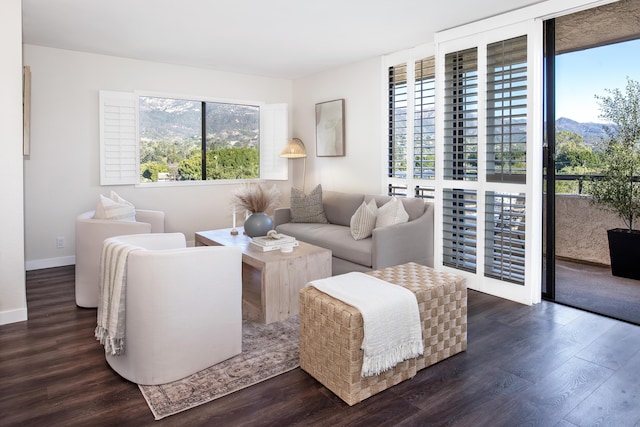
{"x": 183, "y": 308}
{"x": 90, "y": 233}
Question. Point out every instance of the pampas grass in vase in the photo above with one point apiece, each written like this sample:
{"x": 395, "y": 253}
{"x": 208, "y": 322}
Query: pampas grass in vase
{"x": 257, "y": 199}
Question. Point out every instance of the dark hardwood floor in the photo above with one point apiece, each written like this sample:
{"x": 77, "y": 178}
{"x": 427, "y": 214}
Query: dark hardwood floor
{"x": 544, "y": 365}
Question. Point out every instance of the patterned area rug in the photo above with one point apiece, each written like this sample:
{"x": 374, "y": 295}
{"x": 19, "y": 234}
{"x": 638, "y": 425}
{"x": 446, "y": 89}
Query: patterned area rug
{"x": 267, "y": 351}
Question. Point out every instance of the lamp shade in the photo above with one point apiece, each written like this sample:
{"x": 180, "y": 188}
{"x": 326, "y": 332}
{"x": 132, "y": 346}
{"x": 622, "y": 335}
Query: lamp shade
{"x": 294, "y": 149}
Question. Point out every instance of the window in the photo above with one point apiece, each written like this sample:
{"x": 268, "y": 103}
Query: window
{"x": 411, "y": 137}
{"x": 184, "y": 140}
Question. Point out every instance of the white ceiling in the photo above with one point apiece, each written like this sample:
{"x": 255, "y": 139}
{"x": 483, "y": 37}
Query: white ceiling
{"x": 274, "y": 38}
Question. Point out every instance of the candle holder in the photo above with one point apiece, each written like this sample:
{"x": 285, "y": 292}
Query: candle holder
{"x": 233, "y": 231}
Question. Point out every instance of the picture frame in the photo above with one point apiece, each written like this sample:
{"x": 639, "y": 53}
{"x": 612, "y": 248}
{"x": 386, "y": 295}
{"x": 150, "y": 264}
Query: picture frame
{"x": 330, "y": 128}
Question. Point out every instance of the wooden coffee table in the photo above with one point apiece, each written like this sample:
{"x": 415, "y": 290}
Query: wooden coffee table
{"x": 271, "y": 281}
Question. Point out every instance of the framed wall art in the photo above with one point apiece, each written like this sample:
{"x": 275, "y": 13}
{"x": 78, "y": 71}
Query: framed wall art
{"x": 330, "y": 128}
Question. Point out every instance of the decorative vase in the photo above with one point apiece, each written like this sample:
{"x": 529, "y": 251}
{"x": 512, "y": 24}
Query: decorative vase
{"x": 258, "y": 224}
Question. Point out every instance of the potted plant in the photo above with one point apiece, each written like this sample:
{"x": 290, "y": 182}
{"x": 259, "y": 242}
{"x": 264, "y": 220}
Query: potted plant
{"x": 256, "y": 199}
{"x": 619, "y": 189}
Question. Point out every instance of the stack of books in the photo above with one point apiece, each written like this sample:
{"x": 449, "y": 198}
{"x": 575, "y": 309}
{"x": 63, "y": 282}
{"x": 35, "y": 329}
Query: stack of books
{"x": 265, "y": 244}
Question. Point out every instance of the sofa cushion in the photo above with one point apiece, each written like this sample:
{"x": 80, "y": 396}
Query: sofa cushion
{"x": 391, "y": 213}
{"x": 364, "y": 220}
{"x": 340, "y": 207}
{"x": 307, "y": 208}
{"x": 336, "y": 238}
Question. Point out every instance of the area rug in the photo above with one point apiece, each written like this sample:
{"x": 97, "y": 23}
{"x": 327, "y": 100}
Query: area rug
{"x": 267, "y": 351}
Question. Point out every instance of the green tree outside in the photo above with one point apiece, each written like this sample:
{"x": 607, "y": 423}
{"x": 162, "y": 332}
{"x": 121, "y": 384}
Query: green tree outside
{"x": 573, "y": 157}
{"x": 224, "y": 163}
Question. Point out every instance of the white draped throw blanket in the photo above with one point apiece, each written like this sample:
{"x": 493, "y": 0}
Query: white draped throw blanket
{"x": 111, "y": 296}
{"x": 392, "y": 329}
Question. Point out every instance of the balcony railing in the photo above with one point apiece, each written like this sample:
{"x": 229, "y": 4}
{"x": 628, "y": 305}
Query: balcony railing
{"x": 585, "y": 179}
{"x": 581, "y": 179}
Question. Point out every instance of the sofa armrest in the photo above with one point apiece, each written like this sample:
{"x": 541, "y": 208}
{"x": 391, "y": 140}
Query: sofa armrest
{"x": 407, "y": 242}
{"x": 155, "y": 218}
{"x": 281, "y": 216}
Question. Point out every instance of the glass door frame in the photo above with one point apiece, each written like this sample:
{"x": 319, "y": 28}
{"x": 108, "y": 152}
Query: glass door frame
{"x": 549, "y": 172}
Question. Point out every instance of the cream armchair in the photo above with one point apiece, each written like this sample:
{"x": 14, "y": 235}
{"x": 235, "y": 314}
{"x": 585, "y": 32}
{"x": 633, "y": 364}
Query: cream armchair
{"x": 183, "y": 308}
{"x": 90, "y": 233}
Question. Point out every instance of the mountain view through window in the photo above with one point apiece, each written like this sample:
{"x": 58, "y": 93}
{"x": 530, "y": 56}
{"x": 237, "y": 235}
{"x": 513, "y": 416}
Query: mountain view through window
{"x": 177, "y": 134}
{"x": 580, "y": 131}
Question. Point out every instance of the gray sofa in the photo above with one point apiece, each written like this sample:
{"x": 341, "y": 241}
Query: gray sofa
{"x": 392, "y": 245}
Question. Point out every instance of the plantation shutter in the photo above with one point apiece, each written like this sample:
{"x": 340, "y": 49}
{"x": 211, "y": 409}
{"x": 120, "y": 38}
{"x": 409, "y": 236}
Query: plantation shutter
{"x": 461, "y": 115}
{"x": 506, "y": 153}
{"x": 424, "y": 122}
{"x": 506, "y": 135}
{"x": 274, "y": 136}
{"x": 507, "y": 110}
{"x": 411, "y": 131}
{"x": 459, "y": 227}
{"x": 486, "y": 192}
{"x": 459, "y": 240}
{"x": 505, "y": 236}
{"x": 397, "y": 136}
{"x": 118, "y": 142}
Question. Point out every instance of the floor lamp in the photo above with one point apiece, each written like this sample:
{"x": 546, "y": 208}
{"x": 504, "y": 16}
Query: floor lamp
{"x": 295, "y": 150}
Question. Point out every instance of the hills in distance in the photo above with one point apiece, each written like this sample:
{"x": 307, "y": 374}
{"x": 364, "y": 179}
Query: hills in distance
{"x": 180, "y": 121}
{"x": 592, "y": 133}
{"x": 175, "y": 120}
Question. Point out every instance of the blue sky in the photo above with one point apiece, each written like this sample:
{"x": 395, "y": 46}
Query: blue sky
{"x": 581, "y": 75}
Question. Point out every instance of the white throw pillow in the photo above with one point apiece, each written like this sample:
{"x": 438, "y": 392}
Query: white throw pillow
{"x": 391, "y": 213}
{"x": 116, "y": 198}
{"x": 115, "y": 207}
{"x": 363, "y": 220}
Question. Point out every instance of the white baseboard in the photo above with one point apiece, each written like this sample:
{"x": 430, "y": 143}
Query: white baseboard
{"x": 13, "y": 316}
{"x": 39, "y": 264}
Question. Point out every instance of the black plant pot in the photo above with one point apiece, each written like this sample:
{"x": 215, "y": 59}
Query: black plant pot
{"x": 624, "y": 249}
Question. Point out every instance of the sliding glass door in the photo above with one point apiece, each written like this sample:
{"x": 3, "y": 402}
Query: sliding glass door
{"x": 549, "y": 177}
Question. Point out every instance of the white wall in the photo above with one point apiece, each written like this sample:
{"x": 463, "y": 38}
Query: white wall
{"x": 360, "y": 85}
{"x": 13, "y": 305}
{"x": 62, "y": 173}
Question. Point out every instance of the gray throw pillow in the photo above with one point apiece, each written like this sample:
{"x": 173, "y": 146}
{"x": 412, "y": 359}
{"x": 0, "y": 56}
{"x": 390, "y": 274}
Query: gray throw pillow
{"x": 307, "y": 208}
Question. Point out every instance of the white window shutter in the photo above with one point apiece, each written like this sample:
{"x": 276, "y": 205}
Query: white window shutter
{"x": 118, "y": 145}
{"x": 274, "y": 135}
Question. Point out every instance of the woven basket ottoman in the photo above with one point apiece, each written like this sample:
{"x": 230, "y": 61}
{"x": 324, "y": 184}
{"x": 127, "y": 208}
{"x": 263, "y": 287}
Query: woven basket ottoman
{"x": 331, "y": 331}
